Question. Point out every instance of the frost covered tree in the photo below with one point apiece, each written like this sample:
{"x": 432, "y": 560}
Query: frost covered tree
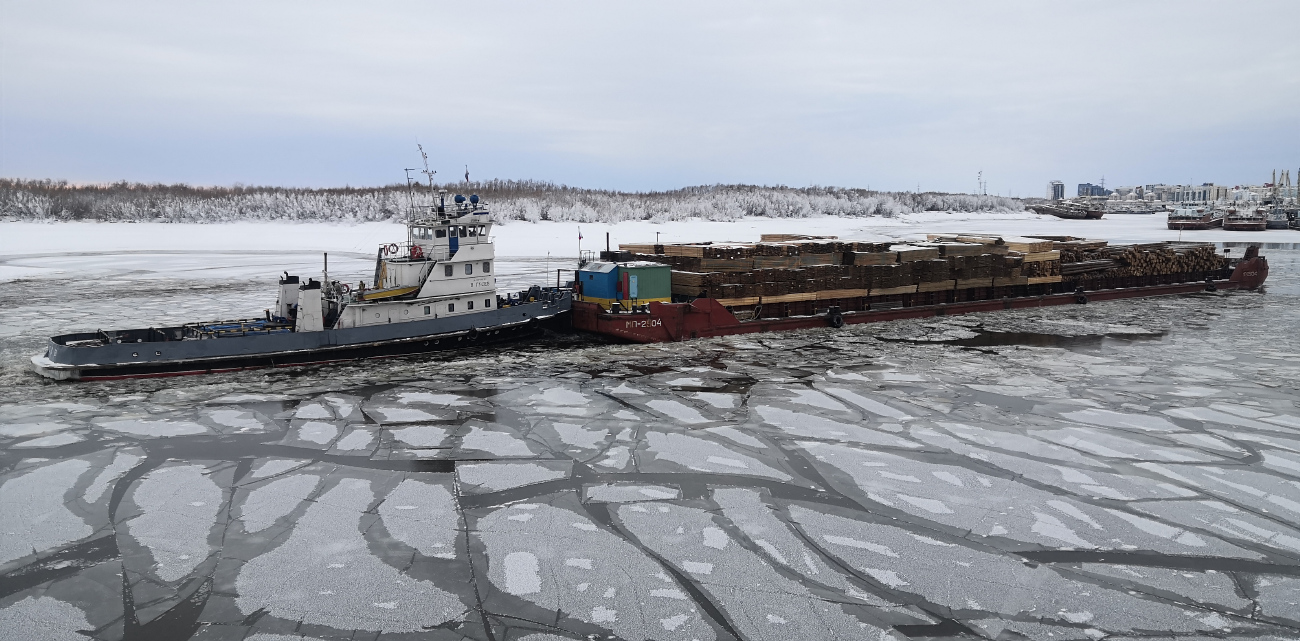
{"x": 509, "y": 200}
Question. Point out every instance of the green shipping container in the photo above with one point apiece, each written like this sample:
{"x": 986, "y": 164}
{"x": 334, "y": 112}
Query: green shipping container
{"x": 645, "y": 281}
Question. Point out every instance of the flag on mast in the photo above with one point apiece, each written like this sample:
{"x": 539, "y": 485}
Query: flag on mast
{"x": 466, "y": 174}
{"x": 579, "y": 233}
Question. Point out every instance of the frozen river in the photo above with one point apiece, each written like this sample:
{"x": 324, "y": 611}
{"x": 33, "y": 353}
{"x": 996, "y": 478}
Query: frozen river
{"x": 1127, "y": 469}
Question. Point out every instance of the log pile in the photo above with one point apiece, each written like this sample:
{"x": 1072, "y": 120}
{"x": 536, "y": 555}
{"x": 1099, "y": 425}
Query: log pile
{"x": 792, "y": 267}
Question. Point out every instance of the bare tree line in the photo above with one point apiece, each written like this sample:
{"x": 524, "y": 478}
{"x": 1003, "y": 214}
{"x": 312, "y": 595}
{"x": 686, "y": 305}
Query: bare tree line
{"x": 509, "y": 200}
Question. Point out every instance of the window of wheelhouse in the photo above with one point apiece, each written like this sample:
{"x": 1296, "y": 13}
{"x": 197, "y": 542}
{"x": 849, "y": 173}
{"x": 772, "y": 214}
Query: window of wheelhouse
{"x": 462, "y": 232}
{"x": 439, "y": 233}
{"x": 473, "y": 231}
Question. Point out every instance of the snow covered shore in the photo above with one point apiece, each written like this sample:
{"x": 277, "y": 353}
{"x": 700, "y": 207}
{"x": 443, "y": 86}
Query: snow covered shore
{"x": 560, "y": 239}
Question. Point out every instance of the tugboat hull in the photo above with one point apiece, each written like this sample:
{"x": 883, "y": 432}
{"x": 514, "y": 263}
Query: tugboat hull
{"x": 145, "y": 359}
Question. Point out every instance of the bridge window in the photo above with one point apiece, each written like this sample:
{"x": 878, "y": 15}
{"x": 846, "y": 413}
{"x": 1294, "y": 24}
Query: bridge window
{"x": 473, "y": 232}
{"x": 469, "y": 268}
{"x": 463, "y": 232}
{"x": 487, "y": 267}
{"x": 446, "y": 270}
{"x": 451, "y": 307}
{"x": 470, "y": 305}
{"x": 440, "y": 233}
{"x": 482, "y": 230}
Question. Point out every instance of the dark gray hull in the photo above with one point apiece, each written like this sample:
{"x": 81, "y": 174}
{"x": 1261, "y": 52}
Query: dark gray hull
{"x": 148, "y": 358}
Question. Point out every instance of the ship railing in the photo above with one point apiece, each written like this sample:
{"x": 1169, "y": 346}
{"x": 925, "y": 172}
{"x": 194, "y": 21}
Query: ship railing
{"x": 413, "y": 251}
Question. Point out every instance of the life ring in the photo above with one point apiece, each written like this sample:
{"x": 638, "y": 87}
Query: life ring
{"x": 416, "y": 252}
{"x": 347, "y": 289}
{"x": 392, "y": 248}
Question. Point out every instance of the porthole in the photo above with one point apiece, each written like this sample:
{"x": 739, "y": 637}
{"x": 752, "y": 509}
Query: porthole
{"x": 157, "y": 353}
{"x": 469, "y": 305}
{"x": 135, "y": 354}
{"x": 487, "y": 303}
{"x": 426, "y": 310}
{"x": 469, "y": 268}
{"x": 446, "y": 270}
{"x": 376, "y": 314}
{"x": 406, "y": 312}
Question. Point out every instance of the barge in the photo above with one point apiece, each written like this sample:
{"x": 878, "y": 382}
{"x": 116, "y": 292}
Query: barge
{"x": 1195, "y": 218}
{"x": 436, "y": 291}
{"x": 1246, "y": 219}
{"x": 1079, "y": 209}
{"x": 1093, "y": 271}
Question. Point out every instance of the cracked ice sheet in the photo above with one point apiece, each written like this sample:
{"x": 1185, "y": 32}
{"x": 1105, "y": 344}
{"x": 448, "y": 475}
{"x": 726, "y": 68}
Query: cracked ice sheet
{"x": 813, "y": 426}
{"x": 34, "y": 516}
{"x": 628, "y": 493}
{"x": 988, "y": 505}
{"x": 43, "y": 618}
{"x": 422, "y": 515}
{"x": 1082, "y": 482}
{"x": 236, "y": 421}
{"x": 1111, "y": 445}
{"x": 495, "y": 477}
{"x": 561, "y": 562}
{"x": 496, "y": 440}
{"x": 267, "y": 502}
{"x": 760, "y": 602}
{"x": 123, "y": 460}
{"x": 1228, "y": 522}
{"x": 972, "y": 581}
{"x": 324, "y": 574}
{"x": 703, "y": 455}
{"x": 178, "y": 508}
{"x": 1009, "y": 441}
{"x": 747, "y": 511}
{"x": 1209, "y": 588}
{"x": 155, "y": 428}
{"x": 1279, "y": 596}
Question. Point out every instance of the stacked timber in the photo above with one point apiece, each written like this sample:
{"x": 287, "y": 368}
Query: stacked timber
{"x": 788, "y": 268}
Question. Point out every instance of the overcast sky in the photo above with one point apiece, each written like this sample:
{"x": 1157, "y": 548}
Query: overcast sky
{"x": 642, "y": 96}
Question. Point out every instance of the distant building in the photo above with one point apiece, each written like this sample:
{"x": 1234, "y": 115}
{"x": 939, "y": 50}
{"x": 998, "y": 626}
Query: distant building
{"x": 1056, "y": 190}
{"x": 1089, "y": 189}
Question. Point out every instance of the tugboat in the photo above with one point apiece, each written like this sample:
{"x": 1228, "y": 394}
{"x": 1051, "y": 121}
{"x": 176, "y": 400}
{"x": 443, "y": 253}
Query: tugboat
{"x": 1195, "y": 218}
{"x": 437, "y": 291}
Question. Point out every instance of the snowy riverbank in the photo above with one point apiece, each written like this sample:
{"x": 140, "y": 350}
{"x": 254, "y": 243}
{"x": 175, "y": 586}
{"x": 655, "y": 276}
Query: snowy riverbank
{"x": 32, "y": 249}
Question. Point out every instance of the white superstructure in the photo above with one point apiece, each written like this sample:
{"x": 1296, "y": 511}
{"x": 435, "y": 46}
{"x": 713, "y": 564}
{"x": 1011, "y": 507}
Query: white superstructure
{"x": 447, "y": 267}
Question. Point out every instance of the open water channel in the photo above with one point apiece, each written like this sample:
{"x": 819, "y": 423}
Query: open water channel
{"x": 1117, "y": 470}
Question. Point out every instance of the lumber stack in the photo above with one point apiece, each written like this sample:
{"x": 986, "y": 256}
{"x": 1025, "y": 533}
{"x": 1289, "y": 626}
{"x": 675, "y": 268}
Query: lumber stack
{"x": 792, "y": 267}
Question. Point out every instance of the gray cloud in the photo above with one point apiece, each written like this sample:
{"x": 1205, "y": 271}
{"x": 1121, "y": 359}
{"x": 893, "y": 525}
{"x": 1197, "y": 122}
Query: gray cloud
{"x": 653, "y": 95}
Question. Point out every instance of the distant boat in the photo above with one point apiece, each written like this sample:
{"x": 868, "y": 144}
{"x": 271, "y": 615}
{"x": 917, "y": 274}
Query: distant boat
{"x": 1077, "y": 209}
{"x": 1246, "y": 220}
{"x": 1195, "y": 218}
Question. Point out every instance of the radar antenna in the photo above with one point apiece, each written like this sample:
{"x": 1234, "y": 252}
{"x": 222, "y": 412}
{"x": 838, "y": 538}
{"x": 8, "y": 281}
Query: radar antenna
{"x": 426, "y": 172}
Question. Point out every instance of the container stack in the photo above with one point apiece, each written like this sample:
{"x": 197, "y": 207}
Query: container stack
{"x": 789, "y": 268}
